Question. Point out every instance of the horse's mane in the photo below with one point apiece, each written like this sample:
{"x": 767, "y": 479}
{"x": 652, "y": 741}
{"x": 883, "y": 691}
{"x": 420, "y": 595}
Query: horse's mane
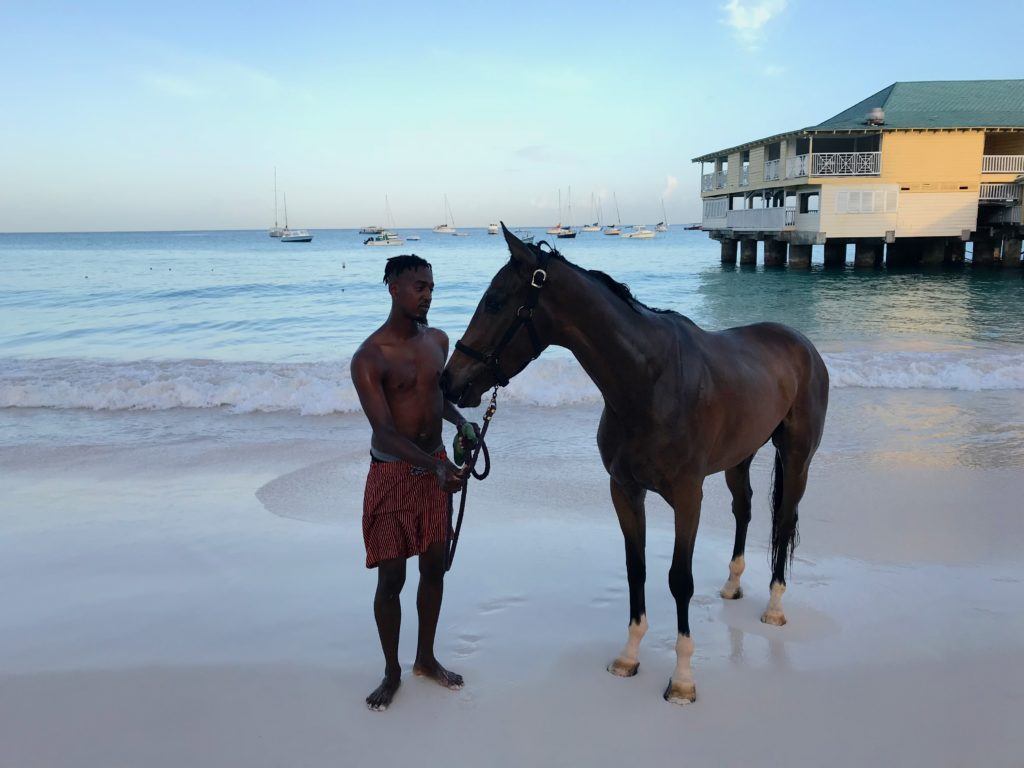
{"x": 620, "y": 290}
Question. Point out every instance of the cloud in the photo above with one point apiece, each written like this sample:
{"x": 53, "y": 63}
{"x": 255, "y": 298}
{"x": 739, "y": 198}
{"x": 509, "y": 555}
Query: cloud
{"x": 671, "y": 182}
{"x": 748, "y": 18}
{"x": 773, "y": 70}
{"x": 184, "y": 74}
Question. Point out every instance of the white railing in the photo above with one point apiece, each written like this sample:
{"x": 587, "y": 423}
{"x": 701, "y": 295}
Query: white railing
{"x": 1008, "y": 192}
{"x": 721, "y": 178}
{"x": 796, "y": 166}
{"x": 847, "y": 163}
{"x": 707, "y": 182}
{"x": 771, "y": 170}
{"x": 1002, "y": 164}
{"x": 744, "y": 175}
{"x": 761, "y": 219}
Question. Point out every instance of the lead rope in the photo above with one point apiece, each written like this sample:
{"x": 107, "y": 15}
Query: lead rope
{"x": 481, "y": 447}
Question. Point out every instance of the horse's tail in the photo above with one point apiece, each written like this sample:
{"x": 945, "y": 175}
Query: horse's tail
{"x": 785, "y": 535}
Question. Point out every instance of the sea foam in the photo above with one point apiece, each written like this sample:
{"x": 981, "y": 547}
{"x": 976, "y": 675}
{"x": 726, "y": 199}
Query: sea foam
{"x": 326, "y": 387}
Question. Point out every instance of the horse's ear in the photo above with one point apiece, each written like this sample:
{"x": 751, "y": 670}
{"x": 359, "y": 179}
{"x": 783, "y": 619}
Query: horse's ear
{"x": 521, "y": 253}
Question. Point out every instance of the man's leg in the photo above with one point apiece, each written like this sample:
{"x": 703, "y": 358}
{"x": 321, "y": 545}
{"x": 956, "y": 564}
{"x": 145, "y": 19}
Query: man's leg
{"x": 387, "y": 609}
{"x": 428, "y": 605}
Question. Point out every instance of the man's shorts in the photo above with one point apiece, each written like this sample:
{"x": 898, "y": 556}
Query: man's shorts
{"x": 404, "y": 510}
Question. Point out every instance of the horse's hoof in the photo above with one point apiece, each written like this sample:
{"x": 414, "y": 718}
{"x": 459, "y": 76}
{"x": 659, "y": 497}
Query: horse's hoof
{"x": 729, "y": 593}
{"x": 681, "y": 693}
{"x": 621, "y": 668}
{"x": 775, "y": 618}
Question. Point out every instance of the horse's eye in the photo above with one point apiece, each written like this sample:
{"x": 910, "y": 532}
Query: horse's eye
{"x": 493, "y": 304}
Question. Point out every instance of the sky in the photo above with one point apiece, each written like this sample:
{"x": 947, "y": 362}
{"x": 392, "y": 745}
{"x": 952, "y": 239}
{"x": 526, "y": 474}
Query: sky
{"x": 145, "y": 116}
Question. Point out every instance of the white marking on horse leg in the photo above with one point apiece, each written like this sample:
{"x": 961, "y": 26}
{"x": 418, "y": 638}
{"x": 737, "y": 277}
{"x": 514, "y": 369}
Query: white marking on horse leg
{"x": 732, "y": 589}
{"x": 773, "y": 613}
{"x": 681, "y": 688}
{"x": 628, "y": 662}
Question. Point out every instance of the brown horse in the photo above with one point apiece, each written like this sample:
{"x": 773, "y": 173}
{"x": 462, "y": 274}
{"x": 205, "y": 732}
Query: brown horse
{"x": 680, "y": 403}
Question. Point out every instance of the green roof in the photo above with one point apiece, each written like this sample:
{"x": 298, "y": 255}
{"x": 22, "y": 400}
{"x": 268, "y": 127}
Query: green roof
{"x": 938, "y": 104}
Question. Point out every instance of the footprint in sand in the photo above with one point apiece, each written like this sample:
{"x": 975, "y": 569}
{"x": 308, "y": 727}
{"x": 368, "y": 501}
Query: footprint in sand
{"x": 610, "y": 595}
{"x": 468, "y": 644}
{"x": 496, "y": 604}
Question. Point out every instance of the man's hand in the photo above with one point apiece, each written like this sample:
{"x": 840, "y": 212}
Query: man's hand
{"x": 449, "y": 477}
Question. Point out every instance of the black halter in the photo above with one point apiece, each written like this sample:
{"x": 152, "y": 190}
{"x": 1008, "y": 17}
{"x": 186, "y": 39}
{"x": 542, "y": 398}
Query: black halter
{"x": 524, "y": 316}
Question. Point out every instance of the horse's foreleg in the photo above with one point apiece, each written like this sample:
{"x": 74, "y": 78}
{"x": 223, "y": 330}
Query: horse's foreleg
{"x": 629, "y": 506}
{"x": 686, "y": 499}
{"x": 738, "y": 480}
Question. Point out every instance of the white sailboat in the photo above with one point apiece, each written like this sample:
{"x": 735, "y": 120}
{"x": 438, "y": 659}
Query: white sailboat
{"x": 617, "y": 228}
{"x": 293, "y": 235}
{"x": 276, "y": 231}
{"x": 662, "y": 226}
{"x": 558, "y": 227}
{"x": 446, "y": 228}
{"x": 595, "y": 208}
{"x": 570, "y": 231}
{"x": 639, "y": 232}
{"x": 386, "y": 235}
{"x": 492, "y": 229}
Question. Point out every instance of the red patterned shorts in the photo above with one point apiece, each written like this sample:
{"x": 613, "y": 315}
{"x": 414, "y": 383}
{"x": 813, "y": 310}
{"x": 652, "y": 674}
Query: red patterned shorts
{"x": 404, "y": 511}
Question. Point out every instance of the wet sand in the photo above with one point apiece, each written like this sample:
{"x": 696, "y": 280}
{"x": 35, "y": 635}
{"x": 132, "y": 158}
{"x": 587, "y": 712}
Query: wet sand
{"x": 176, "y": 600}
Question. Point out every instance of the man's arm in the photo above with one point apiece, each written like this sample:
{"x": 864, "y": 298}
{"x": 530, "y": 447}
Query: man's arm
{"x": 367, "y": 376}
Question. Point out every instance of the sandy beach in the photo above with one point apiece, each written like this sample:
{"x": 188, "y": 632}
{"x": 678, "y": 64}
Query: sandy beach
{"x": 195, "y": 595}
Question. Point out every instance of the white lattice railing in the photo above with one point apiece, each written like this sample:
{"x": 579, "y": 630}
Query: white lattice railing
{"x": 771, "y": 170}
{"x": 847, "y": 163}
{"x": 707, "y": 182}
{"x": 796, "y": 166}
{"x": 761, "y": 218}
{"x": 1006, "y": 192}
{"x": 721, "y": 179}
{"x": 744, "y": 175}
{"x": 1002, "y": 164}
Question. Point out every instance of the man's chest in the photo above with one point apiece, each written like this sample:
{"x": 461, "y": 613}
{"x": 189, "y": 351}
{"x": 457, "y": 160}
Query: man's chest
{"x": 417, "y": 368}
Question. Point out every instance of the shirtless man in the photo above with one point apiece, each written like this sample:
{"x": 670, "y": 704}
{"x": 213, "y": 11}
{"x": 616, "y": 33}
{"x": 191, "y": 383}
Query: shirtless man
{"x": 396, "y": 372}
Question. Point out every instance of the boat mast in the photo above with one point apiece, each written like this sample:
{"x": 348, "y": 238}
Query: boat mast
{"x": 570, "y": 207}
{"x": 618, "y": 218}
{"x": 664, "y": 216}
{"x": 285, "y": 196}
{"x": 275, "y": 198}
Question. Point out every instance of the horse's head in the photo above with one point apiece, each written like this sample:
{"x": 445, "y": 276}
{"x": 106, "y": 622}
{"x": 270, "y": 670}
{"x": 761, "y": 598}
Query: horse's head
{"x": 508, "y": 330}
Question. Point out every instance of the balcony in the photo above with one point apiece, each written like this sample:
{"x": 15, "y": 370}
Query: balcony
{"x": 847, "y": 163}
{"x": 796, "y": 166}
{"x": 1002, "y": 164}
{"x": 771, "y": 170}
{"x": 711, "y": 181}
{"x": 761, "y": 219}
{"x": 999, "y": 193}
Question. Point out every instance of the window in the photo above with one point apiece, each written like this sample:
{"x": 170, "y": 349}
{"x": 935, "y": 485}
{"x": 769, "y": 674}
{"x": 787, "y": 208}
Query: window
{"x": 866, "y": 201}
{"x": 809, "y": 202}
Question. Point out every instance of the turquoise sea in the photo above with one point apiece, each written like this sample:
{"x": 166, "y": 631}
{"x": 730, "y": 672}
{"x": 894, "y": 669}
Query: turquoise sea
{"x": 239, "y": 322}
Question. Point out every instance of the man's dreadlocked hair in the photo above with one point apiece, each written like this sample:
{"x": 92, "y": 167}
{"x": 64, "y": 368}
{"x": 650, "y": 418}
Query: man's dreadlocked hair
{"x": 398, "y": 264}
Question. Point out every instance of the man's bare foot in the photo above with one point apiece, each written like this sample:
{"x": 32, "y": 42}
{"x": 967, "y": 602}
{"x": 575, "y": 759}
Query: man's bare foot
{"x": 379, "y": 700}
{"x": 435, "y": 671}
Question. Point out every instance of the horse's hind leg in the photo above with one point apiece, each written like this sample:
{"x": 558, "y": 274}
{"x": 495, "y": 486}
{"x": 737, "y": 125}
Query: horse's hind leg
{"x": 791, "y": 465}
{"x": 738, "y": 480}
{"x": 629, "y": 506}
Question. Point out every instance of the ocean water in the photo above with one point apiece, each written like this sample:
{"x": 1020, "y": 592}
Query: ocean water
{"x": 240, "y": 321}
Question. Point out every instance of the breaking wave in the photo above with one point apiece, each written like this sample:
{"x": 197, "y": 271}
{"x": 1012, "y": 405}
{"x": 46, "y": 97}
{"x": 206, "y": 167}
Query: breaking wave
{"x": 325, "y": 387}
